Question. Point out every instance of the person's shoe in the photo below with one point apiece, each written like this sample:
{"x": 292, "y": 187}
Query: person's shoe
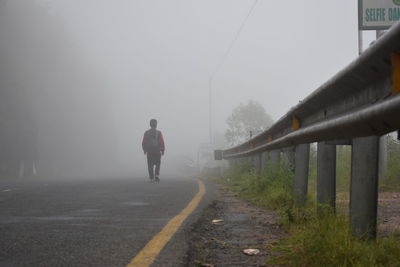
{"x": 157, "y": 179}
{"x": 151, "y": 179}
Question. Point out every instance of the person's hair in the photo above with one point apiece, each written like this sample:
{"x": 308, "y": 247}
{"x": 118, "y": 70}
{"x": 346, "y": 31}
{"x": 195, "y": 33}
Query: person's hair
{"x": 153, "y": 123}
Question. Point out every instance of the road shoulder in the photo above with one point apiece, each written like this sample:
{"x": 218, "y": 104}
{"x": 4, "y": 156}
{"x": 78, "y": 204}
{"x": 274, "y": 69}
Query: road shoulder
{"x": 243, "y": 226}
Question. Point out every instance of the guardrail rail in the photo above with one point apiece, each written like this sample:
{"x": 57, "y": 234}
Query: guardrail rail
{"x": 356, "y": 106}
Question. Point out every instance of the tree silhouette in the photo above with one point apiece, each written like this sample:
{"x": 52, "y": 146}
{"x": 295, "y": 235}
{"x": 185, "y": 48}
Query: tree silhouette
{"x": 246, "y": 120}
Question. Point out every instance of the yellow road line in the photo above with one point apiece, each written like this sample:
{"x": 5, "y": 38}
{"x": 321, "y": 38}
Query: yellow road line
{"x": 149, "y": 253}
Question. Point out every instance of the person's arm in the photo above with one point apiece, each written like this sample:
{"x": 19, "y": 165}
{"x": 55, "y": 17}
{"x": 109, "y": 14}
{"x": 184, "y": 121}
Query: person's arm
{"x": 162, "y": 143}
{"x": 144, "y": 142}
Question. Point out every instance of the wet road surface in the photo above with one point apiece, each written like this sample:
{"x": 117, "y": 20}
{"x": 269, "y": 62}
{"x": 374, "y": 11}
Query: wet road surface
{"x": 85, "y": 222}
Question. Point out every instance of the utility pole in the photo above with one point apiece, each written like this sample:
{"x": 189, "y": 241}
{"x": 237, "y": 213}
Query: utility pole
{"x": 210, "y": 110}
{"x": 360, "y": 31}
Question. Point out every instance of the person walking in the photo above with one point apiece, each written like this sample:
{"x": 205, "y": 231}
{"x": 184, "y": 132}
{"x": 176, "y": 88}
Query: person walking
{"x": 153, "y": 145}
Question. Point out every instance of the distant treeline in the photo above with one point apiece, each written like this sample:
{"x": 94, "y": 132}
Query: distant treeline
{"x": 54, "y": 114}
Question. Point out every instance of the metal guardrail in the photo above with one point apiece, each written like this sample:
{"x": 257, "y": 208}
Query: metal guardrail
{"x": 361, "y": 100}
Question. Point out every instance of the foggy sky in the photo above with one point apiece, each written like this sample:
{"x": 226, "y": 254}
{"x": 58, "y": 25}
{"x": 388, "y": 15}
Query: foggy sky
{"x": 154, "y": 59}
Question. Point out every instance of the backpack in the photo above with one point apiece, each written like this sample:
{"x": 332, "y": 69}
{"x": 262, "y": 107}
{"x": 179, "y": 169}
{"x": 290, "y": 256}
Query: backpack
{"x": 153, "y": 145}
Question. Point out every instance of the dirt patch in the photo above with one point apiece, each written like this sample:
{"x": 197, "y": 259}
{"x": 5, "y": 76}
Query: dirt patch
{"x": 243, "y": 226}
{"x": 389, "y": 213}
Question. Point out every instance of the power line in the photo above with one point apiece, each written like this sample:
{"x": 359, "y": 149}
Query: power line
{"x": 222, "y": 62}
{"x": 234, "y": 40}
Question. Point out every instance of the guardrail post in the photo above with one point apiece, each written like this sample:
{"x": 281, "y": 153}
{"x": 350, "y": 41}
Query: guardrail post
{"x": 231, "y": 162}
{"x": 264, "y": 161}
{"x": 326, "y": 176}
{"x": 364, "y": 186}
{"x": 383, "y": 156}
{"x": 249, "y": 161}
{"x": 253, "y": 161}
{"x": 238, "y": 161}
{"x": 234, "y": 162}
{"x": 257, "y": 160}
{"x": 302, "y": 157}
{"x": 289, "y": 157}
{"x": 241, "y": 161}
{"x": 274, "y": 157}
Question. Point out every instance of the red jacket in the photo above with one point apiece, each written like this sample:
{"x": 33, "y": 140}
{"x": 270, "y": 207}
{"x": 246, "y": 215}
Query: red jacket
{"x": 150, "y": 135}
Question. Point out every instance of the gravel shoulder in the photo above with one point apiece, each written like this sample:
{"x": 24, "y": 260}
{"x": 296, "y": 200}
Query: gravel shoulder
{"x": 243, "y": 226}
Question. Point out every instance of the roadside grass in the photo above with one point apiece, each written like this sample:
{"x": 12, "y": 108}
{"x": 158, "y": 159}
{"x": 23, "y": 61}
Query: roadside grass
{"x": 271, "y": 190}
{"x": 313, "y": 240}
{"x": 327, "y": 240}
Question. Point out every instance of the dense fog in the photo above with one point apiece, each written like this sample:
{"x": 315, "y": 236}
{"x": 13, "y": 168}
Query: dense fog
{"x": 80, "y": 80}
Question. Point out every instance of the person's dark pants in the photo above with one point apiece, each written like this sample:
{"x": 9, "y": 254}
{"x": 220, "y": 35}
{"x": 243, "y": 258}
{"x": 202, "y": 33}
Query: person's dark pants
{"x": 153, "y": 160}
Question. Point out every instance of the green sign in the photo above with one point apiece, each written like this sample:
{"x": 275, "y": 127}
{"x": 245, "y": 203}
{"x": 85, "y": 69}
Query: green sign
{"x": 378, "y": 15}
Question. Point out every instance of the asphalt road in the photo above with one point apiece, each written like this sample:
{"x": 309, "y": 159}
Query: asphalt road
{"x": 87, "y": 222}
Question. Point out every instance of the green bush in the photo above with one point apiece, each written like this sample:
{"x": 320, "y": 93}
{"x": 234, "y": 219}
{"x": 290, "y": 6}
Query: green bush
{"x": 272, "y": 189}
